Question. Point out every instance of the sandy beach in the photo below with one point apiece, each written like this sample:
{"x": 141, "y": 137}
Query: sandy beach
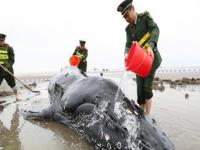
{"x": 175, "y": 108}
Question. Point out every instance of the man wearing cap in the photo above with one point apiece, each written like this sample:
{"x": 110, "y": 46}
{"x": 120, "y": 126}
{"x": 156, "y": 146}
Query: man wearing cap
{"x": 7, "y": 59}
{"x": 82, "y": 52}
{"x": 141, "y": 26}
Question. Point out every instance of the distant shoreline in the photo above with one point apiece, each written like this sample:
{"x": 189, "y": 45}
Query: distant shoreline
{"x": 172, "y": 73}
{"x": 168, "y": 76}
{"x": 162, "y": 73}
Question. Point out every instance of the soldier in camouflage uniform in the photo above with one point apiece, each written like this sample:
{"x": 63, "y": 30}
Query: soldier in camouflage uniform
{"x": 7, "y": 59}
{"x": 140, "y": 25}
{"x": 82, "y": 52}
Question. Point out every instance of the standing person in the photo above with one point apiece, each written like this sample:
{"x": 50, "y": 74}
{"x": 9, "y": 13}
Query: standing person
{"x": 7, "y": 59}
{"x": 82, "y": 52}
{"x": 141, "y": 26}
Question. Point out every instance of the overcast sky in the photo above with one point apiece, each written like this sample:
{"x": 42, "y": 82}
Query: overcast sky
{"x": 44, "y": 33}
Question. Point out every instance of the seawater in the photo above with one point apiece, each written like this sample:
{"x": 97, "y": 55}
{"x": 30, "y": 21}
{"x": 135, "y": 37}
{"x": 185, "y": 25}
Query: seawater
{"x": 120, "y": 85}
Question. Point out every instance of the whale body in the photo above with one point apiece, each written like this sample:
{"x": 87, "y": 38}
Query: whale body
{"x": 89, "y": 106}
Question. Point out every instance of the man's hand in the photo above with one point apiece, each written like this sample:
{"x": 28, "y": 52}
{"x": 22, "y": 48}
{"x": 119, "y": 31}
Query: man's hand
{"x": 150, "y": 52}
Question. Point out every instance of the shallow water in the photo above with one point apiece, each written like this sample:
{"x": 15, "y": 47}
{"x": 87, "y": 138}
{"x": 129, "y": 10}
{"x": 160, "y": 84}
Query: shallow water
{"x": 17, "y": 133}
{"x": 177, "y": 116}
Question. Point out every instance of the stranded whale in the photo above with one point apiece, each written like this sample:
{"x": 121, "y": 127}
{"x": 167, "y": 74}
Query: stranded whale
{"x": 88, "y": 105}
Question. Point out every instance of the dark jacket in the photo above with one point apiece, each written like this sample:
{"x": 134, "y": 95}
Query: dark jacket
{"x": 134, "y": 32}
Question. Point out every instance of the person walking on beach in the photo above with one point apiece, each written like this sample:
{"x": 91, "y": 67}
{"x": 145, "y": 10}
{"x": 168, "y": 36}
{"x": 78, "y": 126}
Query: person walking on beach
{"x": 140, "y": 26}
{"x": 82, "y": 53}
{"x": 7, "y": 59}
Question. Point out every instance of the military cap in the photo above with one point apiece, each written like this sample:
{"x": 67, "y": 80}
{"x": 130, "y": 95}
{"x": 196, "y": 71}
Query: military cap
{"x": 2, "y": 36}
{"x": 82, "y": 42}
{"x": 123, "y": 7}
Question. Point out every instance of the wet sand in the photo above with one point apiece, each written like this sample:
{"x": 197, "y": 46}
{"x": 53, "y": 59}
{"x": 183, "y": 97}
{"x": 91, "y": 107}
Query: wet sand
{"x": 177, "y": 115}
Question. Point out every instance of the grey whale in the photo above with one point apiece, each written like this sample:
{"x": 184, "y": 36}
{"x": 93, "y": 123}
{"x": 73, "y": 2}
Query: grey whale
{"x": 88, "y": 105}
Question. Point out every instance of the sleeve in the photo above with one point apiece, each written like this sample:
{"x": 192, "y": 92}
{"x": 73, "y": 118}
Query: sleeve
{"x": 85, "y": 54}
{"x": 153, "y": 30}
{"x": 128, "y": 42}
{"x": 11, "y": 55}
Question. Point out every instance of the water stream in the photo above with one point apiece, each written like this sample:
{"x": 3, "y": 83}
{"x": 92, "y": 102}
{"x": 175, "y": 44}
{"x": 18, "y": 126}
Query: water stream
{"x": 120, "y": 85}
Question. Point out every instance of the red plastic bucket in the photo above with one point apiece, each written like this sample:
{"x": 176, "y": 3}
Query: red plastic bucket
{"x": 138, "y": 61}
{"x": 74, "y": 60}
